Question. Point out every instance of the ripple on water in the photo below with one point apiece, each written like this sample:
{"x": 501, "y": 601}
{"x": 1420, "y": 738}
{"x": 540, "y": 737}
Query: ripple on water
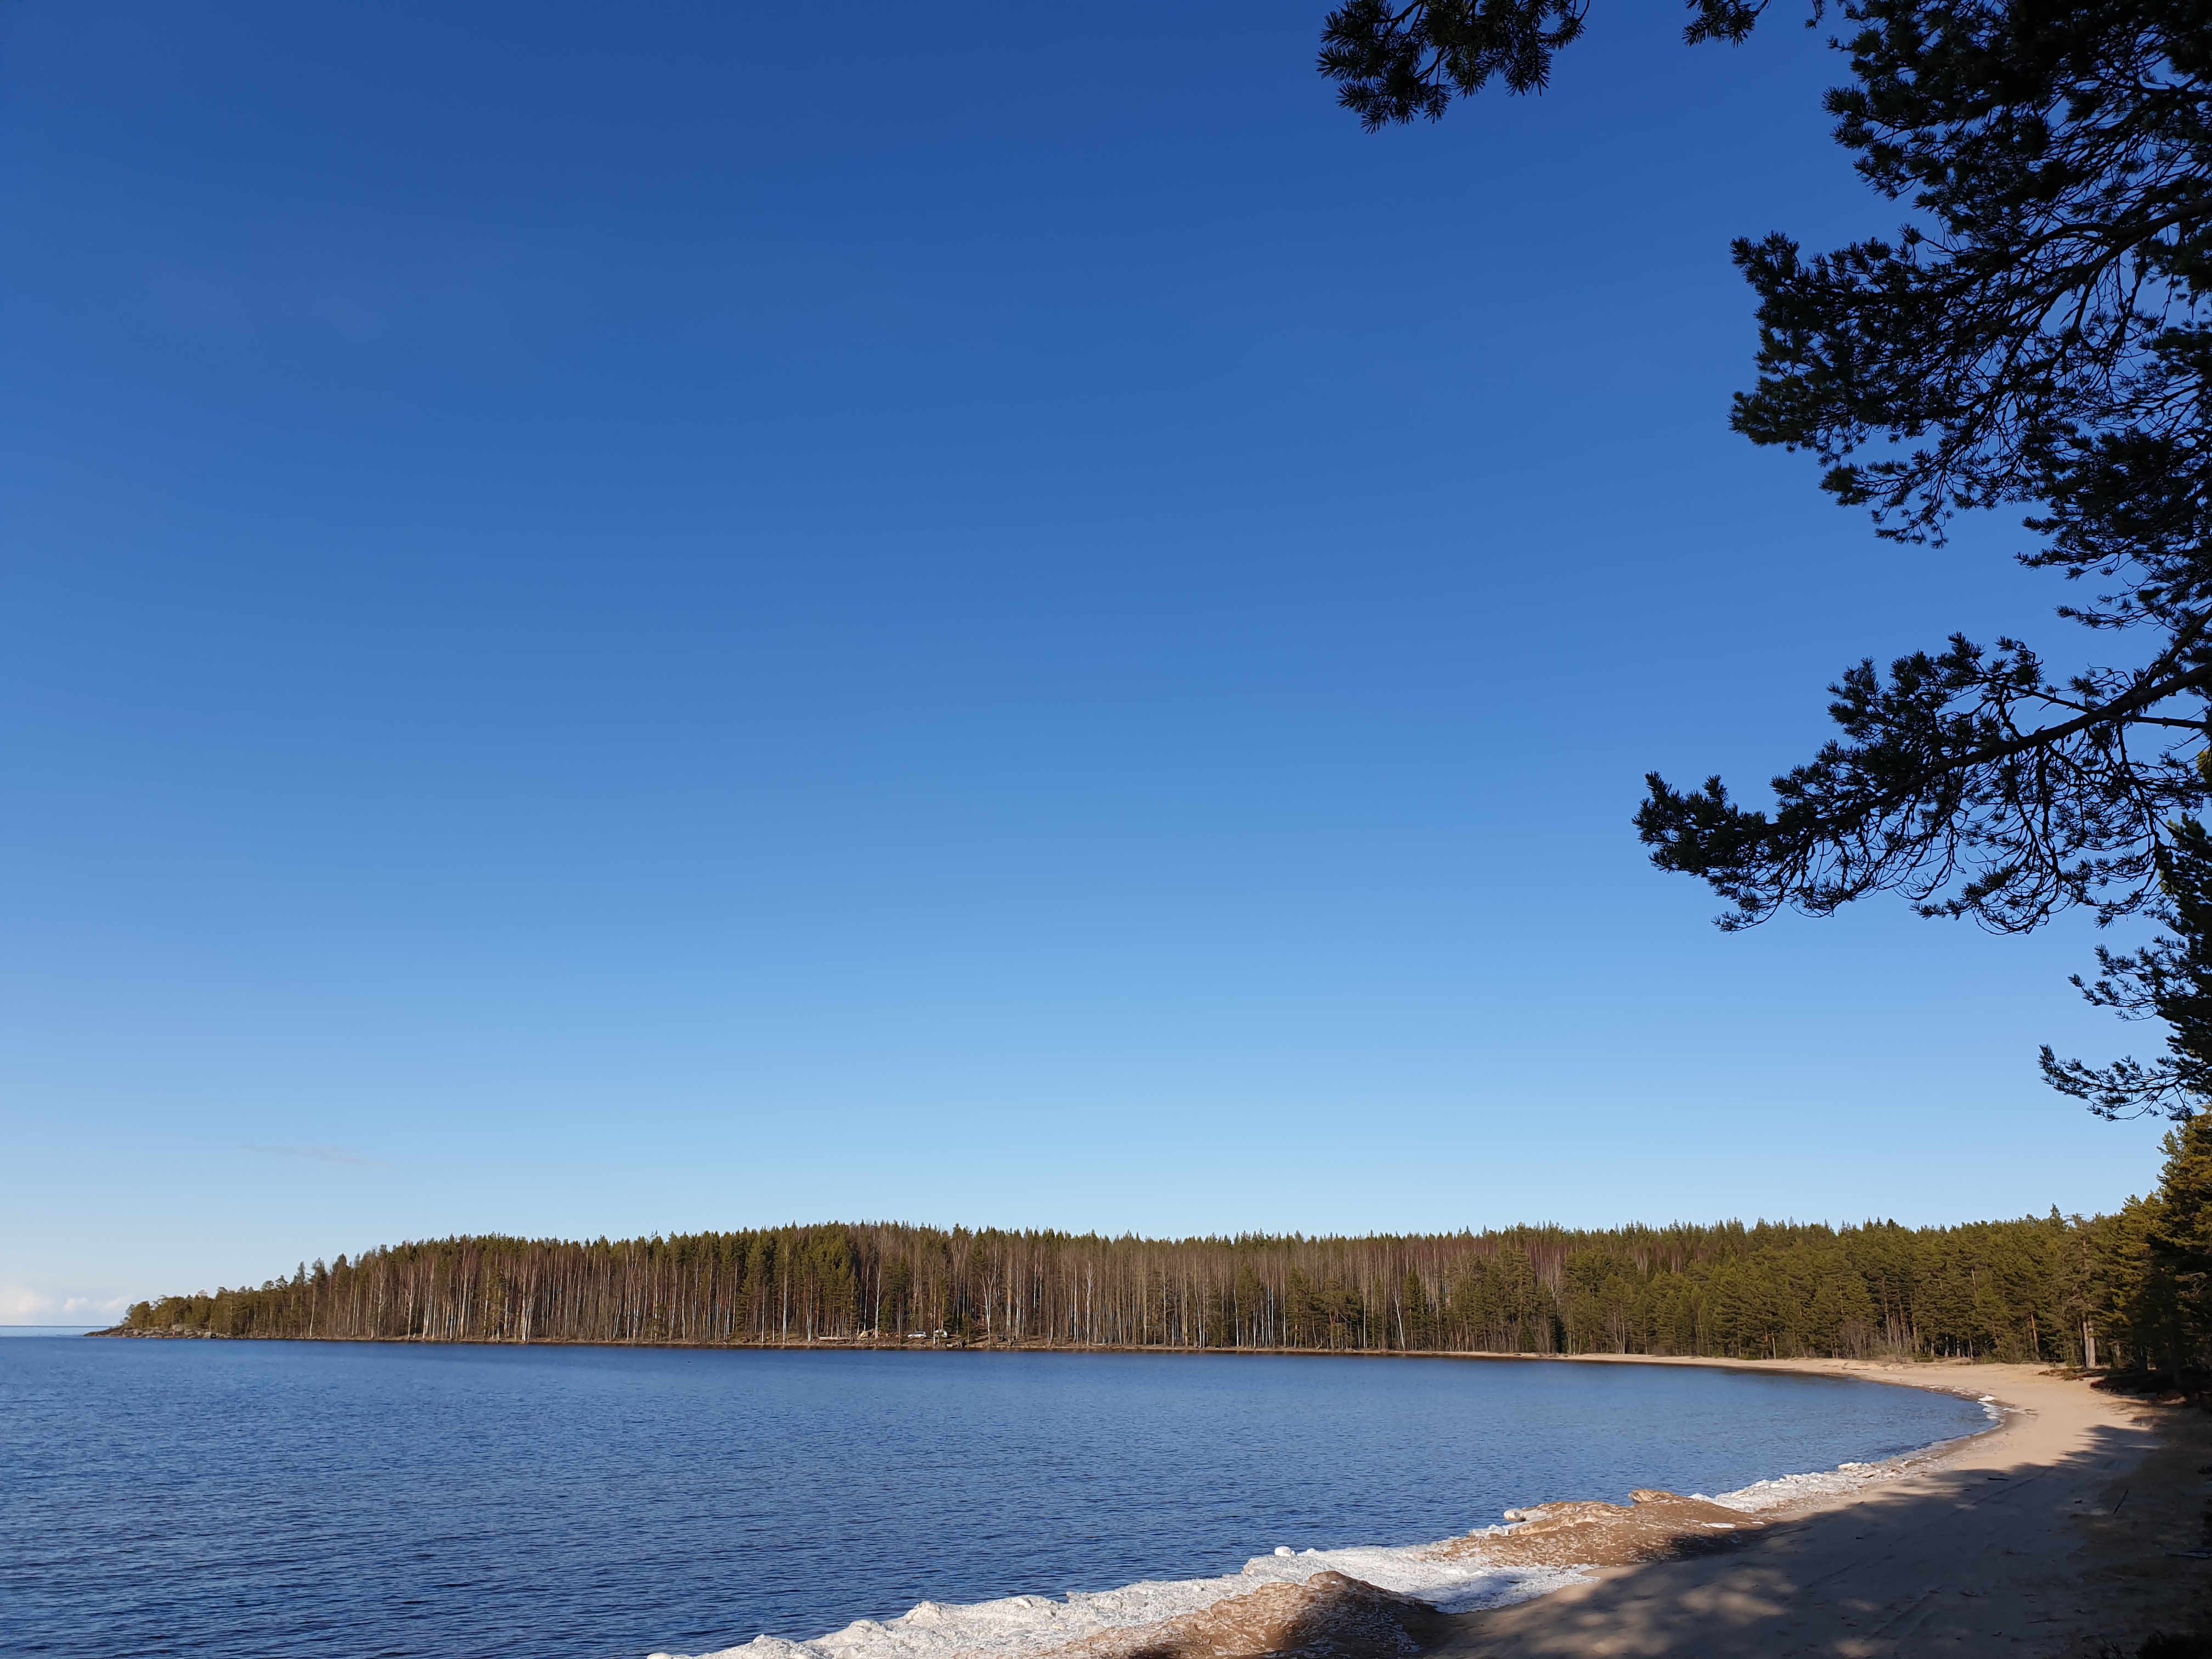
{"x": 293, "y": 1498}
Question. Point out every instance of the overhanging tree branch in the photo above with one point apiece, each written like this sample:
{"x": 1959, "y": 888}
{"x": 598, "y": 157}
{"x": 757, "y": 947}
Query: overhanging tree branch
{"x": 2039, "y": 334}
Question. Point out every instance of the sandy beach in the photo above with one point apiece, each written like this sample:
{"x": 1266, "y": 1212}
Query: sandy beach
{"x": 2071, "y": 1530}
{"x": 2059, "y": 1532}
{"x": 2074, "y": 1528}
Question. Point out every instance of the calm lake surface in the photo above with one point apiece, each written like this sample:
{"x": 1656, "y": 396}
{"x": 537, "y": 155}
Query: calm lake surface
{"x": 294, "y": 1498}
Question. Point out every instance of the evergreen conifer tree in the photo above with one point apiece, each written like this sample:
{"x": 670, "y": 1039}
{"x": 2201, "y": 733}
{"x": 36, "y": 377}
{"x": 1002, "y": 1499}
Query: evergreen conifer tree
{"x": 2038, "y": 333}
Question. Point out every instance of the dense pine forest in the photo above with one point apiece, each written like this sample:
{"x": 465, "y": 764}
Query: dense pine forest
{"x": 2015, "y": 1288}
{"x": 2109, "y": 1290}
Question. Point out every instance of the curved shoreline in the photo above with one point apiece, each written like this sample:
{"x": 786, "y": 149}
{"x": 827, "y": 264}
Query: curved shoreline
{"x": 1811, "y": 1366}
{"x": 2017, "y": 1541}
{"x": 1379, "y": 1600}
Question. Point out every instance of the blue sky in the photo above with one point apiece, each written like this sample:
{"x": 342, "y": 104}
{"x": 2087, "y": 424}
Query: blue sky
{"x": 630, "y": 618}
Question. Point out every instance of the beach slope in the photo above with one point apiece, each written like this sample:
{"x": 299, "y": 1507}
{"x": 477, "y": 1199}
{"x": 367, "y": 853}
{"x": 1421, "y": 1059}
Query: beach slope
{"x": 2058, "y": 1534}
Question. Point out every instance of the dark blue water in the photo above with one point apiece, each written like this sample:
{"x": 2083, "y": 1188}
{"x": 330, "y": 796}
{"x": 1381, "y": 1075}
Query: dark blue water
{"x": 294, "y": 1498}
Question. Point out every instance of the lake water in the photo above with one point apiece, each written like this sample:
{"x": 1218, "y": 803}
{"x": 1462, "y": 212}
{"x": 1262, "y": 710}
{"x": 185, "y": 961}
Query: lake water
{"x": 295, "y": 1498}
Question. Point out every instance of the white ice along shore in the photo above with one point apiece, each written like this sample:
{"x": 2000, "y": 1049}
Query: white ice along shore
{"x": 1844, "y": 1477}
{"x": 1021, "y": 1624}
{"x": 1032, "y": 1623}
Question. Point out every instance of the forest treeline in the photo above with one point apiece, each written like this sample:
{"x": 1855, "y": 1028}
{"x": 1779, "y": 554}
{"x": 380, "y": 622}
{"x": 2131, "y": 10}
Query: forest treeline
{"x": 2054, "y": 1289}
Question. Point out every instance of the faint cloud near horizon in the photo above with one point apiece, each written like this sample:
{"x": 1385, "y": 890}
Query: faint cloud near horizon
{"x": 21, "y": 1304}
{"x": 338, "y": 1155}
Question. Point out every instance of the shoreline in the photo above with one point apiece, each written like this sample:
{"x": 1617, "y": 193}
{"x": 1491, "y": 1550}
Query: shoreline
{"x": 1811, "y": 1366}
{"x": 2067, "y": 1528}
{"x": 1367, "y": 1602}
{"x": 2017, "y": 1541}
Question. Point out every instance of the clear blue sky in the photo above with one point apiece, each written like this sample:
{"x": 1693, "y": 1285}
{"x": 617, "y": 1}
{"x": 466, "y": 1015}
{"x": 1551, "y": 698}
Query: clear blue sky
{"x": 619, "y": 618}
